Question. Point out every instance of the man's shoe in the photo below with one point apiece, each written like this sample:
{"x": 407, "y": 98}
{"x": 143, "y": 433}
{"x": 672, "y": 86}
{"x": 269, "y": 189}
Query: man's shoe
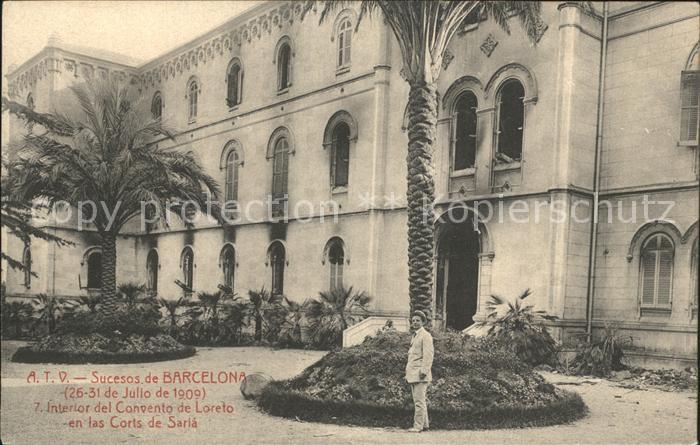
{"x": 414, "y": 430}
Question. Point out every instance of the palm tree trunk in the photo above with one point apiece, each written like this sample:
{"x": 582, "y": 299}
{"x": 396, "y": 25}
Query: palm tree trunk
{"x": 109, "y": 274}
{"x": 422, "y": 115}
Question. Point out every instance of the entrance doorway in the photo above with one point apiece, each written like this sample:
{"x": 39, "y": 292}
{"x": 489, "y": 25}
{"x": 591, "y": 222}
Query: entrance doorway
{"x": 457, "y": 271}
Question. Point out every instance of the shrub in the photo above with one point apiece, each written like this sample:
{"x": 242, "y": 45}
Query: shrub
{"x": 602, "y": 355}
{"x": 332, "y": 313}
{"x": 15, "y": 316}
{"x": 139, "y": 321}
{"x": 48, "y": 311}
{"x": 267, "y": 313}
{"x": 216, "y": 319}
{"x": 520, "y": 328}
{"x": 474, "y": 386}
{"x": 290, "y": 333}
{"x": 172, "y": 312}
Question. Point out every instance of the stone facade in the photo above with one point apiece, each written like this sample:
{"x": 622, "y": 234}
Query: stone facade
{"x": 649, "y": 45}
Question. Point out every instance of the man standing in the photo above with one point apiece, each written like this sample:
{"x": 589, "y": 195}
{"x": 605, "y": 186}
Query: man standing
{"x": 418, "y": 374}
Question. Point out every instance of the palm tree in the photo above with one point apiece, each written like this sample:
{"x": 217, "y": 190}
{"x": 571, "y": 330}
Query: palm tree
{"x": 104, "y": 153}
{"x": 333, "y": 312}
{"x": 423, "y": 30}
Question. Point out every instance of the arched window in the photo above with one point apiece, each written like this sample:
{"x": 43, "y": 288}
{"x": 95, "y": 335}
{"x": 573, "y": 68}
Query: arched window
{"x": 192, "y": 98}
{"x": 336, "y": 259}
{"x": 152, "y": 271}
{"x": 694, "y": 275}
{"x": 656, "y": 271}
{"x": 510, "y": 113}
{"x": 27, "y": 263}
{"x": 228, "y": 265}
{"x": 187, "y": 266}
{"x": 157, "y": 106}
{"x": 284, "y": 66}
{"x": 277, "y": 263}
{"x": 234, "y": 83}
{"x": 280, "y": 169}
{"x": 94, "y": 270}
{"x": 231, "y": 188}
{"x": 344, "y": 42}
{"x": 690, "y": 99}
{"x": 340, "y": 156}
{"x": 30, "y": 101}
{"x": 464, "y": 150}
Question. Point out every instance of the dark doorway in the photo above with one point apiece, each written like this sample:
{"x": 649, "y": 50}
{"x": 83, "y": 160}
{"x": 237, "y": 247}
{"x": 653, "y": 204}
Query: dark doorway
{"x": 457, "y": 273}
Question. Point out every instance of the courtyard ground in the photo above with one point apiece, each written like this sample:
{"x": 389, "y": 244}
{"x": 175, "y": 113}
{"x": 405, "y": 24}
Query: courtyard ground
{"x": 617, "y": 415}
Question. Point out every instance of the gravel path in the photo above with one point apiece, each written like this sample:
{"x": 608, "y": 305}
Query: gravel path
{"x": 618, "y": 415}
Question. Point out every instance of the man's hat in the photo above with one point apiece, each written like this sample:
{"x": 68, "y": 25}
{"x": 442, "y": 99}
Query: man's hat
{"x": 421, "y": 315}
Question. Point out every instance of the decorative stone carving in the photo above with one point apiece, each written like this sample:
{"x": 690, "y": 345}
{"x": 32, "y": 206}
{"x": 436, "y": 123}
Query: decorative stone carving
{"x": 447, "y": 58}
{"x": 489, "y": 45}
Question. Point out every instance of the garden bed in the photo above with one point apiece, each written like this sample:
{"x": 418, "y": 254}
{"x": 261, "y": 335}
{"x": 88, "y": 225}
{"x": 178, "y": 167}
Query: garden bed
{"x": 97, "y": 348}
{"x": 475, "y": 386}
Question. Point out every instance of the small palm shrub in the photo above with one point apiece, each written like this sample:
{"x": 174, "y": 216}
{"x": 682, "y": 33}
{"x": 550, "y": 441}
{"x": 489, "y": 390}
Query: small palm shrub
{"x": 15, "y": 316}
{"x": 290, "y": 333}
{"x": 602, "y": 355}
{"x": 332, "y": 313}
{"x": 216, "y": 318}
{"x": 266, "y": 311}
{"x": 133, "y": 295}
{"x": 519, "y": 328}
{"x": 172, "y": 312}
{"x": 48, "y": 310}
{"x": 89, "y": 302}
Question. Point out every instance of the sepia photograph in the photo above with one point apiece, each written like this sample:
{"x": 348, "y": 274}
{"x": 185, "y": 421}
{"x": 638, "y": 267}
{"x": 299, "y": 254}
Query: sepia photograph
{"x": 349, "y": 222}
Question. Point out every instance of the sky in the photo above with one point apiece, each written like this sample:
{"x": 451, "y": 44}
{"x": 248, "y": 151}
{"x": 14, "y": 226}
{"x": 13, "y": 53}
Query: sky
{"x": 139, "y": 29}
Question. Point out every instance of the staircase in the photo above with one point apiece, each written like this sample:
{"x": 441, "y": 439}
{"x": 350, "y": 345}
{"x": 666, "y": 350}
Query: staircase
{"x": 355, "y": 334}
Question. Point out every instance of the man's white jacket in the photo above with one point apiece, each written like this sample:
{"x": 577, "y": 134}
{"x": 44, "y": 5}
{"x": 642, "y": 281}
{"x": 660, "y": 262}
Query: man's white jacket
{"x": 420, "y": 357}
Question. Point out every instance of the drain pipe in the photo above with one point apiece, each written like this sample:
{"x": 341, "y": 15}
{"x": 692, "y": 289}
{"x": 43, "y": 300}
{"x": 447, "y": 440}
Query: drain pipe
{"x": 592, "y": 250}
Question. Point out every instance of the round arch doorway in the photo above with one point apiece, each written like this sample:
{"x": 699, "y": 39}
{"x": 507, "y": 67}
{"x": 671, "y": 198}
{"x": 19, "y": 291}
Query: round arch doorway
{"x": 457, "y": 274}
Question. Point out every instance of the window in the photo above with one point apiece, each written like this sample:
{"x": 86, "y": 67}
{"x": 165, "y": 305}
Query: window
{"x": 510, "y": 114}
{"x": 280, "y": 169}
{"x": 464, "y": 150}
{"x": 228, "y": 265}
{"x": 336, "y": 259}
{"x": 277, "y": 263}
{"x": 690, "y": 107}
{"x": 94, "y": 270}
{"x": 340, "y": 156}
{"x": 152, "y": 271}
{"x": 187, "y": 266}
{"x": 30, "y": 101}
{"x": 157, "y": 106}
{"x": 231, "y": 188}
{"x": 27, "y": 263}
{"x": 234, "y": 83}
{"x": 344, "y": 42}
{"x": 284, "y": 66}
{"x": 656, "y": 271}
{"x": 694, "y": 275}
{"x": 192, "y": 98}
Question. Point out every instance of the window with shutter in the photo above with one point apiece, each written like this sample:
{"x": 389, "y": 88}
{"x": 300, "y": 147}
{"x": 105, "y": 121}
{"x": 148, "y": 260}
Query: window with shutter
{"x": 464, "y": 140}
{"x": 690, "y": 107}
{"x": 188, "y": 269}
{"x": 192, "y": 97}
{"x": 511, "y": 114}
{"x": 157, "y": 106}
{"x": 234, "y": 83}
{"x": 228, "y": 263}
{"x": 277, "y": 262}
{"x": 232, "y": 177}
{"x": 27, "y": 264}
{"x": 344, "y": 42}
{"x": 336, "y": 258}
{"x": 656, "y": 272}
{"x": 152, "y": 270}
{"x": 284, "y": 67}
{"x": 94, "y": 268}
{"x": 340, "y": 155}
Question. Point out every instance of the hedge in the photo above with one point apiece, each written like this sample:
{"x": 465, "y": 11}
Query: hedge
{"x": 26, "y": 354}
{"x": 279, "y": 401}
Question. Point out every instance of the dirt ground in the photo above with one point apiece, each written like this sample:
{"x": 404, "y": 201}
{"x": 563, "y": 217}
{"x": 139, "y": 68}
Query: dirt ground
{"x": 617, "y": 415}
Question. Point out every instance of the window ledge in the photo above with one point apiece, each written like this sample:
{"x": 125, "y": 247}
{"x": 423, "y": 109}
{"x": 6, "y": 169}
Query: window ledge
{"x": 283, "y": 91}
{"x": 656, "y": 311}
{"x": 233, "y": 108}
{"x": 339, "y": 190}
{"x": 342, "y": 70}
{"x": 463, "y": 172}
{"x": 507, "y": 166}
{"x": 687, "y": 143}
{"x": 191, "y": 121}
